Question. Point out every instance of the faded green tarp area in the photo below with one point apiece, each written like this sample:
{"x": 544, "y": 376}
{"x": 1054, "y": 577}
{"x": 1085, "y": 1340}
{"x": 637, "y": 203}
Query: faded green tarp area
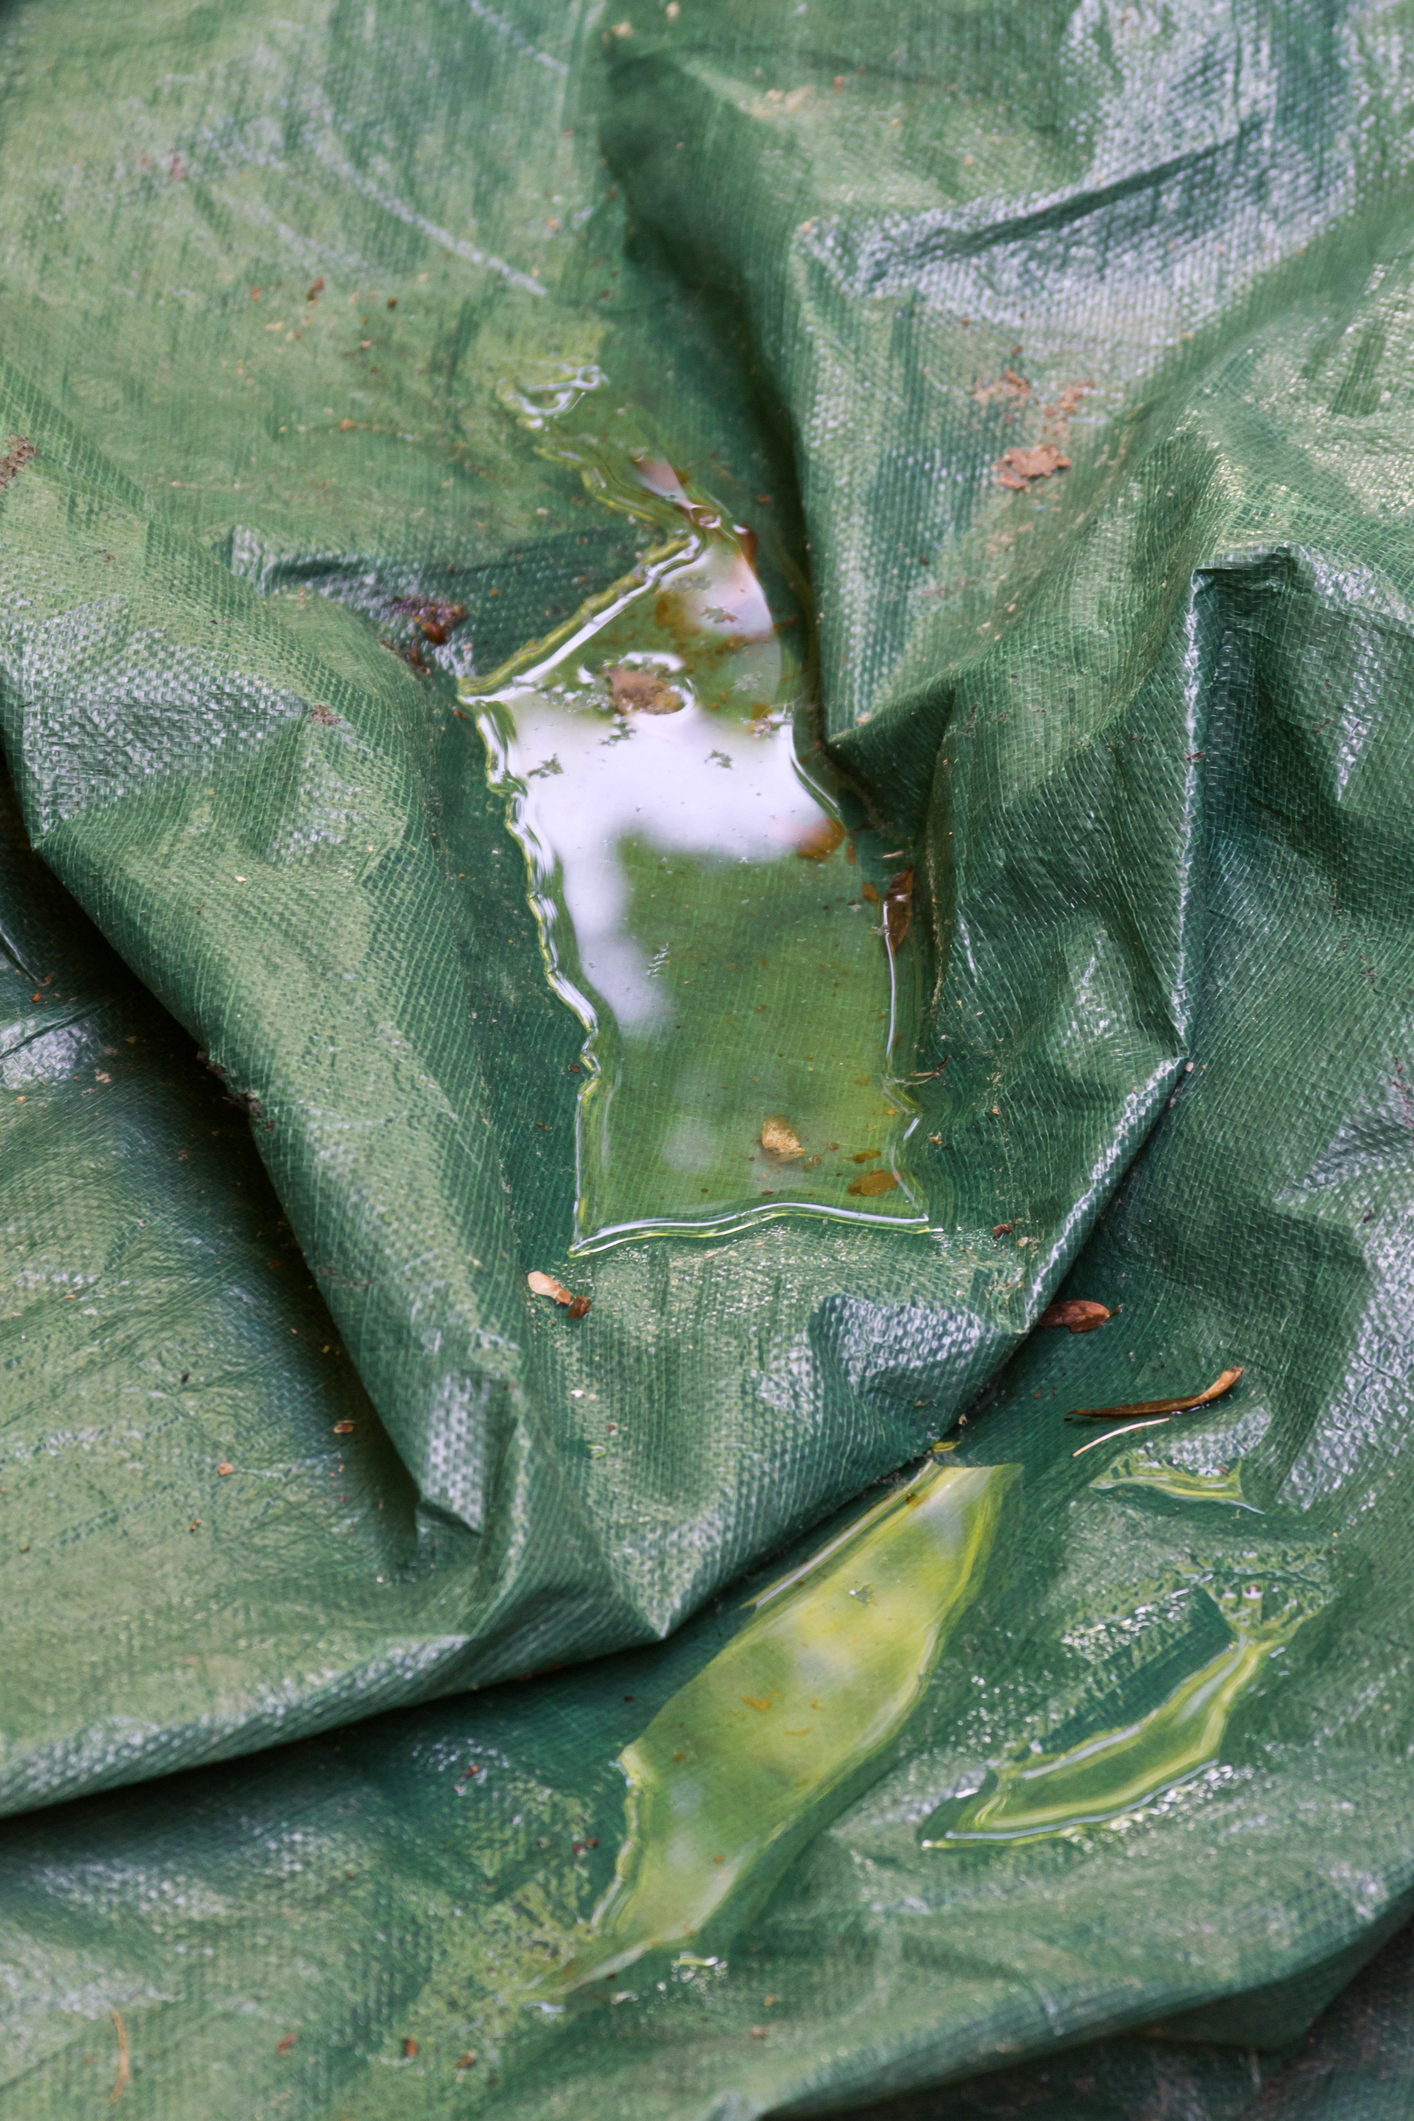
{"x": 284, "y": 1438}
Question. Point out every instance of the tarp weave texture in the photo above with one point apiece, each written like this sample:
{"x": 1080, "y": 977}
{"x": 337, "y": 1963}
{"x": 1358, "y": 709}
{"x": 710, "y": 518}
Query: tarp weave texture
{"x": 384, "y": 1723}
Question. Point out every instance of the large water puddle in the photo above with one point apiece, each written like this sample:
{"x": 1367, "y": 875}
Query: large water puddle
{"x": 745, "y": 975}
{"x": 749, "y": 1759}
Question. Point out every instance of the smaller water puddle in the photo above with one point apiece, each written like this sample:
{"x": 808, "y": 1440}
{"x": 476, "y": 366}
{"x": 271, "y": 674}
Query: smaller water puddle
{"x": 1118, "y": 1771}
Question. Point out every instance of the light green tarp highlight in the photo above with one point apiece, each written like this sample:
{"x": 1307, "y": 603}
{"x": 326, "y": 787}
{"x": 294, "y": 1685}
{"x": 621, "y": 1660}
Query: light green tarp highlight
{"x": 1143, "y": 725}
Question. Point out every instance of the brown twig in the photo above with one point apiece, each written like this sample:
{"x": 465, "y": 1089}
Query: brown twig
{"x": 1141, "y": 1407}
{"x": 121, "y": 2080}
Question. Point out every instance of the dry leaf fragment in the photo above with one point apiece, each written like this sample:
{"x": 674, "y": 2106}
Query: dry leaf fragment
{"x": 869, "y": 892}
{"x": 546, "y": 1285}
{"x": 872, "y": 1182}
{"x": 1215, "y": 1390}
{"x": 1077, "y": 1312}
{"x": 409, "y": 2049}
{"x": 779, "y": 1139}
{"x": 282, "y": 2047}
{"x": 1018, "y": 467}
{"x": 644, "y": 690}
{"x": 898, "y": 909}
{"x": 225, "y": 1467}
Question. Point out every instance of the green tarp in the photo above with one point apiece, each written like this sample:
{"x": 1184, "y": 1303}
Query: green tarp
{"x": 756, "y": 659}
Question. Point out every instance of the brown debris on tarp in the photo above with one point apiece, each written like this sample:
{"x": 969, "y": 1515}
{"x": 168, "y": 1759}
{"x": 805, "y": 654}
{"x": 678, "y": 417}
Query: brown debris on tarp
{"x": 1018, "y": 467}
{"x": 779, "y": 1139}
{"x": 1077, "y": 1312}
{"x": 546, "y": 1285}
{"x": 1009, "y": 389}
{"x": 433, "y": 617}
{"x": 643, "y": 691}
{"x": 18, "y": 454}
{"x": 1215, "y": 1390}
{"x": 898, "y": 909}
{"x": 820, "y": 842}
{"x": 410, "y": 652}
{"x": 872, "y": 1183}
{"x": 1067, "y": 401}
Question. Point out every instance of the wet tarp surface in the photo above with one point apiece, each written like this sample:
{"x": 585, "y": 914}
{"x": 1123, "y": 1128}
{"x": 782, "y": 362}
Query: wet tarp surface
{"x": 755, "y": 658}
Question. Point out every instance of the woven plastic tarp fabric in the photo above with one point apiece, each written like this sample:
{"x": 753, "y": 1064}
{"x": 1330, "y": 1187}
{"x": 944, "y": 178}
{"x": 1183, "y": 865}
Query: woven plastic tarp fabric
{"x": 589, "y": 599}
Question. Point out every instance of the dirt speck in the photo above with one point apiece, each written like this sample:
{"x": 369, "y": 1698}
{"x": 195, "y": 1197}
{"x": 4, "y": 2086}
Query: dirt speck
{"x": 1009, "y": 389}
{"x": 1067, "y": 401}
{"x": 1018, "y": 467}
